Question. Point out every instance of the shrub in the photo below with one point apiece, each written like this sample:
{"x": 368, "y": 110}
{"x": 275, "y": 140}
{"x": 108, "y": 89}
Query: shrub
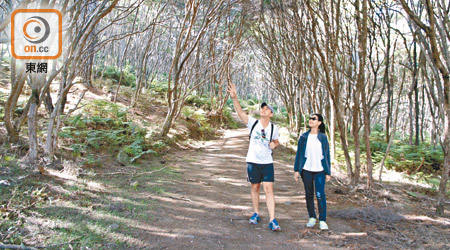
{"x": 113, "y": 73}
{"x": 229, "y": 121}
{"x": 104, "y": 125}
{"x": 198, "y": 124}
{"x": 402, "y": 156}
{"x": 160, "y": 87}
{"x": 199, "y": 102}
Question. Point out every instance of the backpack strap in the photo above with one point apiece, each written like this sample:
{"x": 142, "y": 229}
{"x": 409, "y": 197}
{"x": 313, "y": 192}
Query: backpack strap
{"x": 271, "y": 132}
{"x": 251, "y": 131}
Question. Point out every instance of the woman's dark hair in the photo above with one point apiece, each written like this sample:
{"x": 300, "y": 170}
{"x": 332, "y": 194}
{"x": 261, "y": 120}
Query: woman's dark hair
{"x": 322, "y": 125}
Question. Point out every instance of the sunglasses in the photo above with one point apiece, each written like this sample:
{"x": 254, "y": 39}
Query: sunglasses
{"x": 263, "y": 134}
{"x": 313, "y": 118}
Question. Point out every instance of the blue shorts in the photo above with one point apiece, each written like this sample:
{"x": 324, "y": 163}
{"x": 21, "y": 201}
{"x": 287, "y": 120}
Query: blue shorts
{"x": 257, "y": 173}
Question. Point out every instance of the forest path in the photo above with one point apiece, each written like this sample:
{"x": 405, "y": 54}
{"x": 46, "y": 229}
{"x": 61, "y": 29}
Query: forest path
{"x": 209, "y": 206}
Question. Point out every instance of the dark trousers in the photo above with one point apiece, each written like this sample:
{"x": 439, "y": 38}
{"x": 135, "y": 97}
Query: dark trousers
{"x": 315, "y": 180}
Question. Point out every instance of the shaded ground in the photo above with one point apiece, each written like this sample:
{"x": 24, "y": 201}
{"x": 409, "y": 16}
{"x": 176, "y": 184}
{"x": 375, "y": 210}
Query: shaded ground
{"x": 199, "y": 199}
{"x": 210, "y": 207}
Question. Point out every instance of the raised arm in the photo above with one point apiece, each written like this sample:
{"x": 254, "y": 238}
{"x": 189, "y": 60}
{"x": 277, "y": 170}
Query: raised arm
{"x": 237, "y": 106}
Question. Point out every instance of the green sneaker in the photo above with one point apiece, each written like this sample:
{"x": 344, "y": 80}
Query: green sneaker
{"x": 311, "y": 222}
{"x": 323, "y": 225}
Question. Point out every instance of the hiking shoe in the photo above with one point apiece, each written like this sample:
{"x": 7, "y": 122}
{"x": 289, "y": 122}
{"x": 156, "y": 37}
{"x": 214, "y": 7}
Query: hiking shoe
{"x": 311, "y": 222}
{"x": 254, "y": 219}
{"x": 273, "y": 225}
{"x": 323, "y": 225}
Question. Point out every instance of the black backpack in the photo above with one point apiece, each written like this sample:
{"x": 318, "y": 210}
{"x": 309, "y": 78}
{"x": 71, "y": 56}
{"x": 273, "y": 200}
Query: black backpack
{"x": 254, "y": 125}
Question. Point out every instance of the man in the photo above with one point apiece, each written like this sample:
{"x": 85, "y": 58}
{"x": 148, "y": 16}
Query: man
{"x": 263, "y": 139}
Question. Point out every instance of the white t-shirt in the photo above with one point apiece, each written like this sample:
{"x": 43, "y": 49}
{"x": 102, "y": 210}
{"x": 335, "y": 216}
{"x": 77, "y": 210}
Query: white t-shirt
{"x": 313, "y": 154}
{"x": 259, "y": 151}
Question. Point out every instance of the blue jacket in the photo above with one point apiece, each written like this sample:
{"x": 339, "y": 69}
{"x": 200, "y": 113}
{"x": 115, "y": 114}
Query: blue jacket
{"x": 300, "y": 158}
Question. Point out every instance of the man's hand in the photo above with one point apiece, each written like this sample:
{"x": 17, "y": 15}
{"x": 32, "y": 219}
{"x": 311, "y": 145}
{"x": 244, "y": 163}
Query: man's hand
{"x": 232, "y": 90}
{"x": 274, "y": 144}
{"x": 237, "y": 106}
{"x": 296, "y": 175}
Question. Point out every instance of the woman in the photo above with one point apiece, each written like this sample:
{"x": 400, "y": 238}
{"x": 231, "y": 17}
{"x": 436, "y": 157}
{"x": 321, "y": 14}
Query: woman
{"x": 312, "y": 163}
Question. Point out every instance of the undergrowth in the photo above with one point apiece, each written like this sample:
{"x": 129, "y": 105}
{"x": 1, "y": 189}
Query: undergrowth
{"x": 113, "y": 73}
{"x": 425, "y": 158}
{"x": 197, "y": 123}
{"x": 103, "y": 126}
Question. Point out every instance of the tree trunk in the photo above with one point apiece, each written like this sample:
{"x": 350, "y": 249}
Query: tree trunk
{"x": 440, "y": 206}
{"x": 169, "y": 119}
{"x": 355, "y": 132}
{"x": 32, "y": 127}
{"x": 422, "y": 121}
{"x": 411, "y": 119}
{"x": 416, "y": 94}
{"x": 17, "y": 83}
{"x": 11, "y": 102}
{"x": 342, "y": 133}
{"x": 48, "y": 102}
{"x": 360, "y": 90}
{"x": 387, "y": 79}
{"x": 332, "y": 131}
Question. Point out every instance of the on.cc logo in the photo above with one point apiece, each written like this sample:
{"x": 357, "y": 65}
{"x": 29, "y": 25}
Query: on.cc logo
{"x": 32, "y": 30}
{"x": 36, "y": 34}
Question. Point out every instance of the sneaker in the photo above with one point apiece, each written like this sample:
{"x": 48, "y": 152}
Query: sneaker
{"x": 323, "y": 225}
{"x": 254, "y": 219}
{"x": 273, "y": 225}
{"x": 311, "y": 222}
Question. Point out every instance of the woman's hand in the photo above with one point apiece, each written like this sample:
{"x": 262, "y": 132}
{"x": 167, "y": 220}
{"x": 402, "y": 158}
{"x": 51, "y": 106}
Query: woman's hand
{"x": 327, "y": 178}
{"x": 296, "y": 175}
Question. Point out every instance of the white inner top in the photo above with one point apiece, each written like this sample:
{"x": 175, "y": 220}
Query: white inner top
{"x": 313, "y": 154}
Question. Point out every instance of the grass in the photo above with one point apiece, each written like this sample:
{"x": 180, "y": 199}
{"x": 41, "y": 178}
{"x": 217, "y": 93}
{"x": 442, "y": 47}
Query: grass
{"x": 95, "y": 212}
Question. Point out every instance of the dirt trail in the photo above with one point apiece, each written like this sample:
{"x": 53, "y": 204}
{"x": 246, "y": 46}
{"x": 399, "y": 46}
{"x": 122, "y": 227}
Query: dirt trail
{"x": 209, "y": 207}
{"x": 200, "y": 199}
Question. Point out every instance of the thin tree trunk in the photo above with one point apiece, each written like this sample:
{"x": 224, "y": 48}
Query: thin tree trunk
{"x": 48, "y": 102}
{"x": 332, "y": 131}
{"x": 416, "y": 94}
{"x": 411, "y": 119}
{"x": 355, "y": 132}
{"x": 32, "y": 127}
{"x": 387, "y": 78}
